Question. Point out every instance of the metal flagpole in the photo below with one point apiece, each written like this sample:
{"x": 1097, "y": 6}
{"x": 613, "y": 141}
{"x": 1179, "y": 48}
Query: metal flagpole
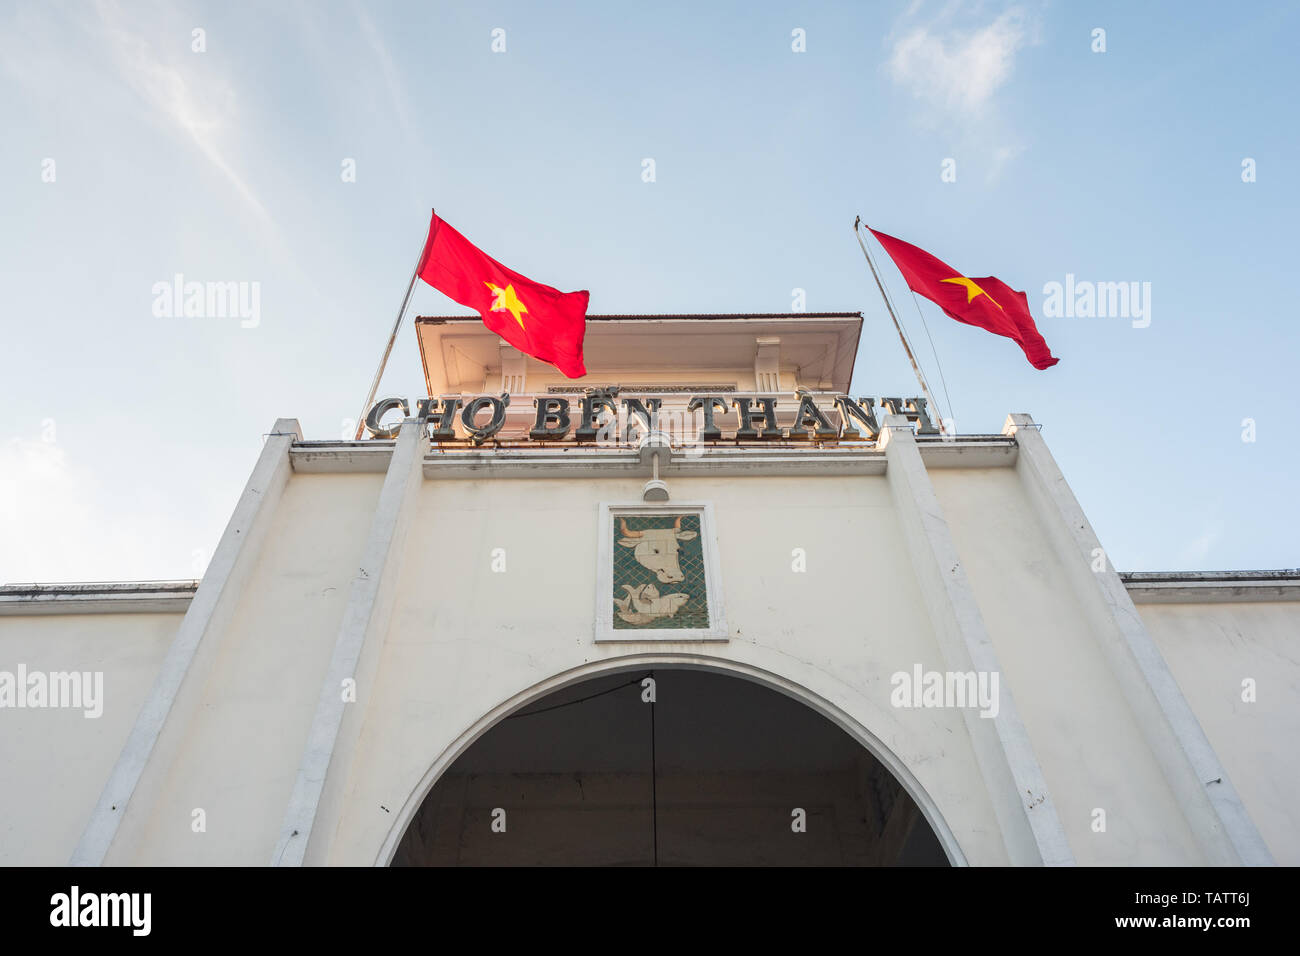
{"x": 901, "y": 337}
{"x": 379, "y": 373}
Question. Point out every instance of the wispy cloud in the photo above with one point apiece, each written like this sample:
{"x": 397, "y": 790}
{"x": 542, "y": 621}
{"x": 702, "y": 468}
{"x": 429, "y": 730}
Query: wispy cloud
{"x": 41, "y": 505}
{"x": 388, "y": 70}
{"x": 954, "y": 63}
{"x": 1001, "y": 156}
{"x": 1196, "y": 551}
{"x": 56, "y": 523}
{"x": 959, "y": 70}
{"x": 201, "y": 104}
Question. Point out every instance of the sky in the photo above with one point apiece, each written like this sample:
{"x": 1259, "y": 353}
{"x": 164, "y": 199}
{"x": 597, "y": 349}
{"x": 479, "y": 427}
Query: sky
{"x": 298, "y": 147}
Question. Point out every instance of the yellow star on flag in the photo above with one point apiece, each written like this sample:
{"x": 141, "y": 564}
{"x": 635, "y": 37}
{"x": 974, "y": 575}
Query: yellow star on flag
{"x": 507, "y": 301}
{"x": 972, "y": 289}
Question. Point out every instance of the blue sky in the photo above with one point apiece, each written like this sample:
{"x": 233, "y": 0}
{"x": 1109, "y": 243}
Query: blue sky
{"x": 125, "y": 438}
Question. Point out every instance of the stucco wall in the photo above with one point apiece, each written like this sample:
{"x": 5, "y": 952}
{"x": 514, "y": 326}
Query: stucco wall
{"x": 465, "y": 640}
{"x": 1212, "y": 649}
{"x": 1086, "y": 738}
{"x": 466, "y": 644}
{"x": 252, "y": 706}
{"x": 53, "y": 762}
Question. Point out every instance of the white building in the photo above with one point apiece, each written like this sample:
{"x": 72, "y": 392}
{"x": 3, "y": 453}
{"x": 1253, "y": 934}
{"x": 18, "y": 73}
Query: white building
{"x": 862, "y": 647}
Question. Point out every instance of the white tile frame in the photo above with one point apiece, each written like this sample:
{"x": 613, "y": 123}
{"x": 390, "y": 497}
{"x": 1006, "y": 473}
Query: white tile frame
{"x": 605, "y": 631}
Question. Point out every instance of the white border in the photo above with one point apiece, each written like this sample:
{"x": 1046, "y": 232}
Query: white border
{"x": 605, "y": 631}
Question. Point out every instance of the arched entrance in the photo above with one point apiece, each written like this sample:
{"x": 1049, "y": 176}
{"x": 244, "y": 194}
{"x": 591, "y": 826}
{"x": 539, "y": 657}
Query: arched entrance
{"x": 717, "y": 770}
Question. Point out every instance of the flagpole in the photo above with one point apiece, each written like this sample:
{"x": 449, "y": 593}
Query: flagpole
{"x": 901, "y": 337}
{"x": 379, "y": 373}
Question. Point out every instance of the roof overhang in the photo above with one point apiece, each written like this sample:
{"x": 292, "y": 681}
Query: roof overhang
{"x": 456, "y": 351}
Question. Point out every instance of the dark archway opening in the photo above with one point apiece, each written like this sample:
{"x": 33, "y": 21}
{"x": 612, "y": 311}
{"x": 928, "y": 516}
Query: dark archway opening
{"x": 714, "y": 773}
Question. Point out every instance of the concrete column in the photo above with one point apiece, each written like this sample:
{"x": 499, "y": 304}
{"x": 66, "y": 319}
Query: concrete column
{"x": 323, "y": 770}
{"x": 150, "y": 747}
{"x": 1030, "y": 826}
{"x": 1225, "y": 831}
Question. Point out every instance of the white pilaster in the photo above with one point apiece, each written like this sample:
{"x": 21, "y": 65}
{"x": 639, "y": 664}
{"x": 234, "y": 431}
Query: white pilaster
{"x": 1030, "y": 826}
{"x": 514, "y": 368}
{"x": 1225, "y": 831}
{"x": 767, "y": 364}
{"x": 208, "y": 613}
{"x": 327, "y": 757}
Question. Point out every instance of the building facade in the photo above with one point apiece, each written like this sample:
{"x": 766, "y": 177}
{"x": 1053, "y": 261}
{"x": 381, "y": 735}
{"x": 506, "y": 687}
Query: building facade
{"x": 706, "y": 606}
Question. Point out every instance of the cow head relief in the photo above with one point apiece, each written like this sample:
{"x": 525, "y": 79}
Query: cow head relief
{"x": 656, "y": 548}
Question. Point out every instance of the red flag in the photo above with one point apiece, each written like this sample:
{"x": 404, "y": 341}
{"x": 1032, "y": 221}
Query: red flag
{"x": 986, "y": 303}
{"x": 536, "y": 319}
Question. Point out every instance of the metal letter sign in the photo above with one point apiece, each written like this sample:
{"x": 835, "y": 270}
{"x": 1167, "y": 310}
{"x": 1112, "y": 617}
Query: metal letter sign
{"x": 598, "y": 417}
